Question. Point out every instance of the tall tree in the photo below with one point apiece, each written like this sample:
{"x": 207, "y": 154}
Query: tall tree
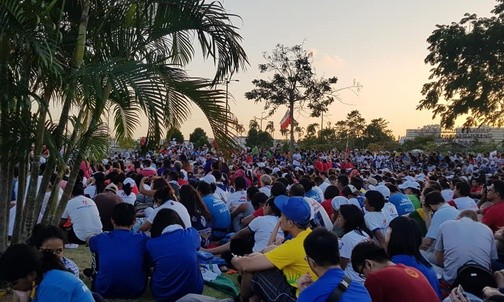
{"x": 293, "y": 82}
{"x": 176, "y": 134}
{"x": 198, "y": 137}
{"x": 467, "y": 67}
{"x": 89, "y": 56}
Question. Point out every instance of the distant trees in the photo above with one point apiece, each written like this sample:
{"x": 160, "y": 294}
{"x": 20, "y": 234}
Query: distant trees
{"x": 199, "y": 138}
{"x": 175, "y": 133}
{"x": 467, "y": 70}
{"x": 293, "y": 83}
{"x": 257, "y": 137}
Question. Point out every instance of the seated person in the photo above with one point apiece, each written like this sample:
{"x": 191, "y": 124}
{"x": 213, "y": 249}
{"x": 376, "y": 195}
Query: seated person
{"x": 173, "y": 249}
{"x": 117, "y": 254}
{"x": 273, "y": 274}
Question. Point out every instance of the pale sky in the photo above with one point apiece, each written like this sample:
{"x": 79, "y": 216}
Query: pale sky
{"x": 380, "y": 44}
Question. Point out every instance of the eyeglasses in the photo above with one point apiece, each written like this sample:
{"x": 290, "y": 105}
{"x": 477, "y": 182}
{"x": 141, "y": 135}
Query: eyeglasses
{"x": 361, "y": 271}
{"x": 54, "y": 251}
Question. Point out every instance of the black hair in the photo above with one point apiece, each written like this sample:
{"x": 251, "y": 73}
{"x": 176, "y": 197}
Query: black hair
{"x": 159, "y": 183}
{"x": 282, "y": 180}
{"x": 354, "y": 219}
{"x": 204, "y": 188}
{"x": 127, "y": 189}
{"x": 217, "y": 174}
{"x": 307, "y": 183}
{"x": 192, "y": 201}
{"x": 322, "y": 247}
{"x": 251, "y": 191}
{"x": 434, "y": 198}
{"x": 240, "y": 183}
{"x": 356, "y": 182}
{"x": 331, "y": 192}
{"x": 434, "y": 184}
{"x": 278, "y": 188}
{"x": 367, "y": 251}
{"x": 343, "y": 180}
{"x": 165, "y": 217}
{"x": 259, "y": 199}
{"x": 405, "y": 239}
{"x": 43, "y": 232}
{"x": 18, "y": 261}
{"x": 375, "y": 199}
{"x": 124, "y": 214}
{"x": 271, "y": 202}
{"x": 499, "y": 187}
{"x": 463, "y": 188}
{"x": 164, "y": 194}
{"x": 297, "y": 190}
{"x": 78, "y": 189}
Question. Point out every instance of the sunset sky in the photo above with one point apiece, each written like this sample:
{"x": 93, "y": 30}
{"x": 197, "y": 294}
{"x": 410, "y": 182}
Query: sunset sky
{"x": 380, "y": 44}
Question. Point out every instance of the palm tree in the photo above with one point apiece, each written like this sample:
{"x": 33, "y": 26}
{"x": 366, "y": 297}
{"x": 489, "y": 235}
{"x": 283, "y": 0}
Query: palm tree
{"x": 127, "y": 56}
{"x": 253, "y": 124}
{"x": 271, "y": 128}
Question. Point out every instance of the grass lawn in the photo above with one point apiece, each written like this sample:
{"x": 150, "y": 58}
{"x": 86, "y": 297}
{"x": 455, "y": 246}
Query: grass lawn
{"x": 82, "y": 257}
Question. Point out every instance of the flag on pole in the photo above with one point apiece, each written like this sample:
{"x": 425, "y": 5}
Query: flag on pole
{"x": 286, "y": 120}
{"x": 347, "y": 150}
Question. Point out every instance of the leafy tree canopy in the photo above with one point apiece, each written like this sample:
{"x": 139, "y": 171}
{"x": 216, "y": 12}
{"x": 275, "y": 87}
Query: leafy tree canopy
{"x": 467, "y": 70}
{"x": 198, "y": 138}
{"x": 175, "y": 133}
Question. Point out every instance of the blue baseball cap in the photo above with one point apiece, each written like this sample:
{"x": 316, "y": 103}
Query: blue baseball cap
{"x": 294, "y": 208}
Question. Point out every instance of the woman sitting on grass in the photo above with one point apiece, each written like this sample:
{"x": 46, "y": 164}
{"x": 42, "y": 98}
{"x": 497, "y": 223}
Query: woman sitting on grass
{"x": 173, "y": 250}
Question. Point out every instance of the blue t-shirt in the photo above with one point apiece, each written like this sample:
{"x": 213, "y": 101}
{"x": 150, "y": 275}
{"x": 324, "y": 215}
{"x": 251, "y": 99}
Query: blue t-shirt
{"x": 402, "y": 203}
{"x": 314, "y": 194}
{"x": 428, "y": 272}
{"x": 121, "y": 258}
{"x": 221, "y": 218}
{"x": 320, "y": 290}
{"x": 62, "y": 286}
{"x": 176, "y": 272}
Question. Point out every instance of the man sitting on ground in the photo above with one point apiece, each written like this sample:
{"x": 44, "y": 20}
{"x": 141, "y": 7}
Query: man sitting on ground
{"x": 275, "y": 272}
{"x": 322, "y": 255}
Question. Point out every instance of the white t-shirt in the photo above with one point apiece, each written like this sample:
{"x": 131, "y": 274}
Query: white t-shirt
{"x": 390, "y": 212}
{"x": 45, "y": 202}
{"x": 447, "y": 194}
{"x": 127, "y": 199}
{"x": 90, "y": 191}
{"x": 465, "y": 203}
{"x": 177, "y": 207}
{"x": 262, "y": 227}
{"x": 319, "y": 214}
{"x": 236, "y": 199}
{"x": 85, "y": 217}
{"x": 266, "y": 190}
{"x": 337, "y": 202}
{"x": 346, "y": 246}
{"x": 376, "y": 221}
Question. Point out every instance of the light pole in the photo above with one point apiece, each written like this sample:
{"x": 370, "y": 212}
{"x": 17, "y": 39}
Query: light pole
{"x": 227, "y": 100}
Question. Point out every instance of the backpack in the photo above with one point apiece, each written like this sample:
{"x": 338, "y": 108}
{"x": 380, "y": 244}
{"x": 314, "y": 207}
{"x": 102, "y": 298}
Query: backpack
{"x": 473, "y": 278}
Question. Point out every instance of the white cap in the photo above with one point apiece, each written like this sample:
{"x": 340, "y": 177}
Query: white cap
{"x": 409, "y": 184}
{"x": 209, "y": 179}
{"x": 382, "y": 189}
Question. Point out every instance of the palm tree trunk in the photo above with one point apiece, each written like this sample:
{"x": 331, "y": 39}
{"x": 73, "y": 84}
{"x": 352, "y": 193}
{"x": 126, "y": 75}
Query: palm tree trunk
{"x": 291, "y": 113}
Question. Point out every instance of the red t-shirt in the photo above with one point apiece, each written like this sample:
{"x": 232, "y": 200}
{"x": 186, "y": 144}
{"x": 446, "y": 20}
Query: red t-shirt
{"x": 494, "y": 216}
{"x": 258, "y": 212}
{"x": 327, "y": 205}
{"x": 399, "y": 283}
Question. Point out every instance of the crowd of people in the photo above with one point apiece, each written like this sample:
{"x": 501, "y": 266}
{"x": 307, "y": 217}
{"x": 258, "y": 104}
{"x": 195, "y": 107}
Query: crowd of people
{"x": 314, "y": 226}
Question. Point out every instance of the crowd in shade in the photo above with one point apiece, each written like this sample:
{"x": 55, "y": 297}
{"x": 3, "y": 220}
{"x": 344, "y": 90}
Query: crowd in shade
{"x": 308, "y": 226}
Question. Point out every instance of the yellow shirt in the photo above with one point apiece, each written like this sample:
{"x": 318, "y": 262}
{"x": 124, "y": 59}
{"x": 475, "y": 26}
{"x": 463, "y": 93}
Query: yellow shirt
{"x": 290, "y": 259}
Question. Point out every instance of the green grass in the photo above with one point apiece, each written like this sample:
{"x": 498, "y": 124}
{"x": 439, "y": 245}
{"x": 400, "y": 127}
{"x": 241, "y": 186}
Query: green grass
{"x": 82, "y": 257}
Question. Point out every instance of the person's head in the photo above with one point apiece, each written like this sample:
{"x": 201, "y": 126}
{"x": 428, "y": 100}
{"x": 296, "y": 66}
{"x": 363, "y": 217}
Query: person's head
{"x": 259, "y": 199}
{"x": 48, "y": 238}
{"x": 307, "y": 183}
{"x": 496, "y": 191}
{"x": 468, "y": 214}
{"x": 368, "y": 257}
{"x": 159, "y": 183}
{"x": 374, "y": 201}
{"x": 342, "y": 181}
{"x": 270, "y": 208}
{"x": 296, "y": 190}
{"x": 204, "y": 188}
{"x": 240, "y": 183}
{"x": 278, "y": 188}
{"x": 405, "y": 238}
{"x": 331, "y": 192}
{"x": 251, "y": 191}
{"x": 266, "y": 180}
{"x": 20, "y": 265}
{"x": 350, "y": 218}
{"x": 462, "y": 189}
{"x": 164, "y": 218}
{"x": 78, "y": 189}
{"x": 295, "y": 211}
{"x": 123, "y": 215}
{"x": 322, "y": 249}
{"x": 434, "y": 200}
{"x": 111, "y": 188}
{"x": 164, "y": 194}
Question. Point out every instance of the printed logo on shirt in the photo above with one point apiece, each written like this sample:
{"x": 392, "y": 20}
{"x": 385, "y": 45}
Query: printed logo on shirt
{"x": 412, "y": 272}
